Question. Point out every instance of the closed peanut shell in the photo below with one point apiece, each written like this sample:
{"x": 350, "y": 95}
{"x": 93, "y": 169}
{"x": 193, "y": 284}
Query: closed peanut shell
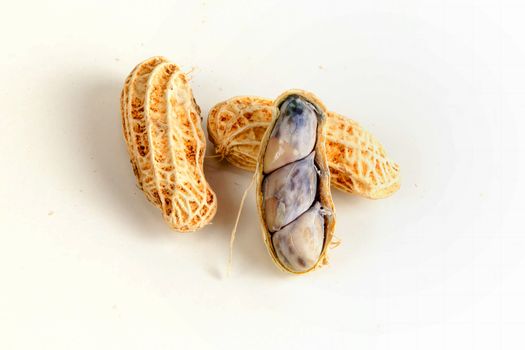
{"x": 166, "y": 144}
{"x": 358, "y": 162}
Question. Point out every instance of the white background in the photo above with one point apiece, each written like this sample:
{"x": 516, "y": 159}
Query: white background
{"x": 87, "y": 263}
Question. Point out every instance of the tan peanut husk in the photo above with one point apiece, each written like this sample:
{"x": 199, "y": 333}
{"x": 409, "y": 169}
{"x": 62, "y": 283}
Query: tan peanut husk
{"x": 358, "y": 162}
{"x": 325, "y": 196}
{"x": 166, "y": 144}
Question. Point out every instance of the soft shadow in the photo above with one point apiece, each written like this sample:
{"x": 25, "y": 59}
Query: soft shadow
{"x": 102, "y": 146}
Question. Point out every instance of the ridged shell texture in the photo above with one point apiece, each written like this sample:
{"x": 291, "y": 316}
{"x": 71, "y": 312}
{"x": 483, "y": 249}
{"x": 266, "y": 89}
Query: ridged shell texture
{"x": 166, "y": 144}
{"x": 358, "y": 162}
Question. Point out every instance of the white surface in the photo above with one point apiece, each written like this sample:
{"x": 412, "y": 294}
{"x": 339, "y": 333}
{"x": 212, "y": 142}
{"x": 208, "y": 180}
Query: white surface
{"x": 87, "y": 263}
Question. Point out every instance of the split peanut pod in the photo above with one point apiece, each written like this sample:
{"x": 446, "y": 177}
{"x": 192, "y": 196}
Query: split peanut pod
{"x": 166, "y": 144}
{"x": 294, "y": 202}
{"x": 358, "y": 162}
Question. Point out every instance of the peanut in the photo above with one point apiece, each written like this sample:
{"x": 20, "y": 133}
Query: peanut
{"x": 294, "y": 202}
{"x": 358, "y": 162}
{"x": 166, "y": 144}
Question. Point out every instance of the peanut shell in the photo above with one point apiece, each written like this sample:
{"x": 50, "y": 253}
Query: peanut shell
{"x": 324, "y": 196}
{"x": 358, "y": 162}
{"x": 166, "y": 144}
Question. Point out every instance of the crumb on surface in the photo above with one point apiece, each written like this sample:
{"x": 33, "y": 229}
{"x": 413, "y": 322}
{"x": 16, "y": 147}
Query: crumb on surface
{"x": 51, "y": 212}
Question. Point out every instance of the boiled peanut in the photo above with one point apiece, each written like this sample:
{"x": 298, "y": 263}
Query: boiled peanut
{"x": 166, "y": 144}
{"x": 358, "y": 162}
{"x": 294, "y": 202}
